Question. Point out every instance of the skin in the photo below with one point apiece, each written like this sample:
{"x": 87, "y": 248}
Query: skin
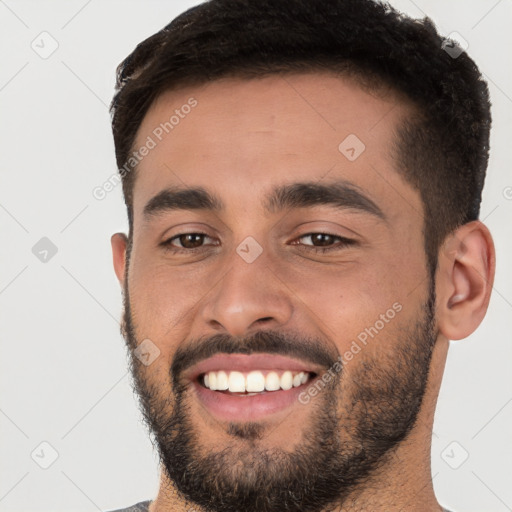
{"x": 243, "y": 138}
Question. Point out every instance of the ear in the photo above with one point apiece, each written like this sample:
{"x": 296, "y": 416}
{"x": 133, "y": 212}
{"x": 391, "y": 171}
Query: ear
{"x": 119, "y": 242}
{"x": 464, "y": 280}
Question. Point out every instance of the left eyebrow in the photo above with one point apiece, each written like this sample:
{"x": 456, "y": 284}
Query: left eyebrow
{"x": 339, "y": 194}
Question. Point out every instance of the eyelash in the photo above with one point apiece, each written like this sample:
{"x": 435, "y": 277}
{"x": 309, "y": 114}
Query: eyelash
{"x": 343, "y": 242}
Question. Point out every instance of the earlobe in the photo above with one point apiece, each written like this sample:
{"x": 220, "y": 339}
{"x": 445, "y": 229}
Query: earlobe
{"x": 119, "y": 242}
{"x": 464, "y": 280}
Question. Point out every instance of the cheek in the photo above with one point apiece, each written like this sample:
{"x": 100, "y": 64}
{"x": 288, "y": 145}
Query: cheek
{"x": 357, "y": 302}
{"x": 157, "y": 303}
{"x": 165, "y": 299}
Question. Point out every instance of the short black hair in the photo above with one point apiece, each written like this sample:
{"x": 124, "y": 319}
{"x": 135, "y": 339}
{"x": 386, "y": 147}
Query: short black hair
{"x": 441, "y": 149}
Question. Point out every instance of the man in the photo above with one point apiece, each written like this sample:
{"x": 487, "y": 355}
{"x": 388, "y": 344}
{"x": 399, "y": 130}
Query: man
{"x": 303, "y": 182}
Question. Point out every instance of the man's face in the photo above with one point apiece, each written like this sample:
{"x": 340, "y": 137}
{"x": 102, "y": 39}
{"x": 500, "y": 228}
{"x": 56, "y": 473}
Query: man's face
{"x": 248, "y": 297}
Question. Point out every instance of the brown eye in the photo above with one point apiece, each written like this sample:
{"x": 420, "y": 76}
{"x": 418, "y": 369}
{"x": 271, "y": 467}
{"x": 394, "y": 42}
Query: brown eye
{"x": 324, "y": 242}
{"x": 321, "y": 239}
{"x": 191, "y": 241}
{"x": 186, "y": 241}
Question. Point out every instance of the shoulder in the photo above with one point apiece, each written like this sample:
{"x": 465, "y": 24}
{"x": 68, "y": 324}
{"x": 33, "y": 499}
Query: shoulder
{"x": 143, "y": 506}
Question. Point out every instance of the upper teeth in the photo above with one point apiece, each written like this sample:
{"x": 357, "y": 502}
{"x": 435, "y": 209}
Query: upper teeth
{"x": 253, "y": 382}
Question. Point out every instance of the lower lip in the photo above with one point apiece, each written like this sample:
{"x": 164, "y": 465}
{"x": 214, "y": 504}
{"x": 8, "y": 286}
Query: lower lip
{"x": 233, "y": 407}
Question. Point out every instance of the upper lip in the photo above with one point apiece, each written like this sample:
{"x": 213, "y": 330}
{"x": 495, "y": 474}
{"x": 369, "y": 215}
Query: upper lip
{"x": 246, "y": 363}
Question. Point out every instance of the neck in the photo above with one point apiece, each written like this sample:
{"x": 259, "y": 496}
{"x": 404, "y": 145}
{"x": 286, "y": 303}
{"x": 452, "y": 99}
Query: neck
{"x": 404, "y": 480}
{"x": 407, "y": 486}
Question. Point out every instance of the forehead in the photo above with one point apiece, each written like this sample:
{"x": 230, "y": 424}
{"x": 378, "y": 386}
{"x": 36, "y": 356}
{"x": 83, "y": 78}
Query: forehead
{"x": 240, "y": 137}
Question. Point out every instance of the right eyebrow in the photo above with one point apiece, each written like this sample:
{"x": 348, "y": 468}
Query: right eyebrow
{"x": 181, "y": 199}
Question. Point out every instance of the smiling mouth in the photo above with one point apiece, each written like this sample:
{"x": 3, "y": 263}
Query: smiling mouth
{"x": 250, "y": 387}
{"x": 253, "y": 382}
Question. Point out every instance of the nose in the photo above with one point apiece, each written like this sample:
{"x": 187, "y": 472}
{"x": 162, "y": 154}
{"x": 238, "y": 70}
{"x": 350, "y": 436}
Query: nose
{"x": 249, "y": 296}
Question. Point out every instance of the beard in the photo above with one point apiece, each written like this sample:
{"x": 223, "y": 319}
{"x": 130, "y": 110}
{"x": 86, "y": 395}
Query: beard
{"x": 353, "y": 427}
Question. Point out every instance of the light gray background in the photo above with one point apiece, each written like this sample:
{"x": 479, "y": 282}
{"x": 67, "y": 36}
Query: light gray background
{"x": 63, "y": 371}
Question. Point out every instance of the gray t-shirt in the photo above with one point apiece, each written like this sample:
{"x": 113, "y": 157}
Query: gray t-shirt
{"x": 143, "y": 506}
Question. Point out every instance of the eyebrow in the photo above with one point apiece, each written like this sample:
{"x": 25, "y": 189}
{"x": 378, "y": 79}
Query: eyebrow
{"x": 340, "y": 194}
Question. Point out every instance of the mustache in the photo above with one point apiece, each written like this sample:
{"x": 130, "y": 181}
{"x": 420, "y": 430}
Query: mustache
{"x": 271, "y": 342}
